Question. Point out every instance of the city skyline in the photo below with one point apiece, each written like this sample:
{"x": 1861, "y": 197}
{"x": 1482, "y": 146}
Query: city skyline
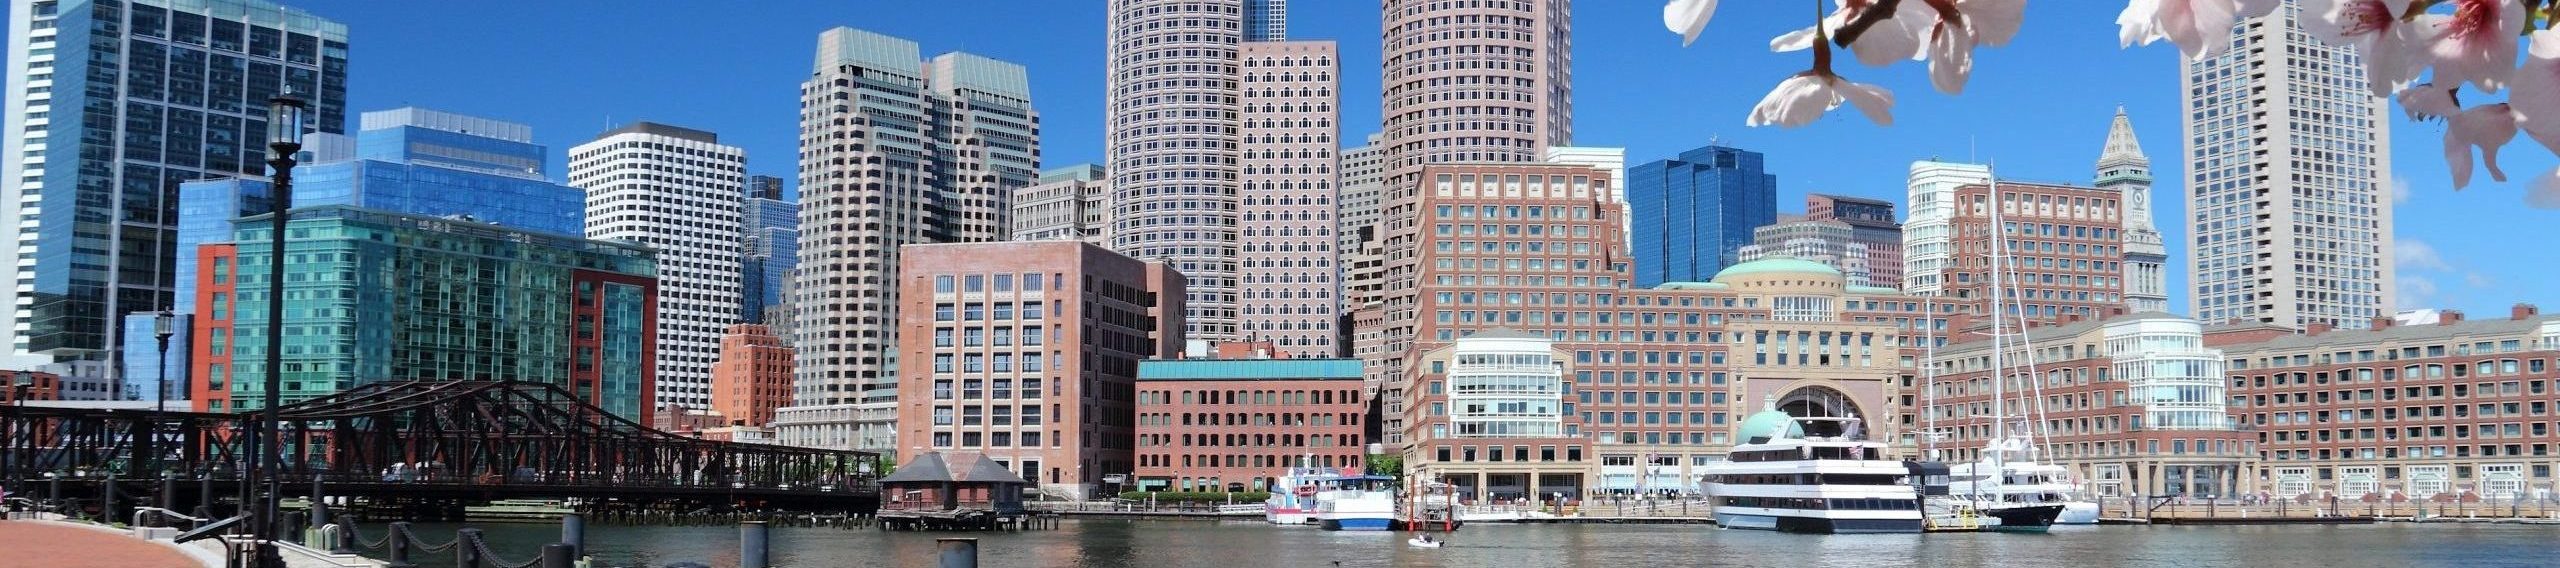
{"x": 1651, "y": 112}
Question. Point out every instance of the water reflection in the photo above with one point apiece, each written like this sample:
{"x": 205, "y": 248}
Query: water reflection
{"x": 1118, "y": 544}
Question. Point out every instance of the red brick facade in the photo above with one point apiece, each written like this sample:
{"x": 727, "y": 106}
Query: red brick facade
{"x": 1211, "y": 425}
{"x": 753, "y": 376}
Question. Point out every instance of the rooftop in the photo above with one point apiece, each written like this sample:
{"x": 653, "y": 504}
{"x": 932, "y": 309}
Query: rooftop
{"x": 1777, "y": 265}
{"x": 1248, "y": 369}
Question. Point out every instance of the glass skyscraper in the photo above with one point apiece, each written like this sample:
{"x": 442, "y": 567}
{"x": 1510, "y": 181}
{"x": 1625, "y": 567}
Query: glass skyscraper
{"x": 1693, "y": 214}
{"x": 112, "y": 105}
{"x": 772, "y": 227}
{"x": 407, "y": 160}
{"x": 375, "y": 295}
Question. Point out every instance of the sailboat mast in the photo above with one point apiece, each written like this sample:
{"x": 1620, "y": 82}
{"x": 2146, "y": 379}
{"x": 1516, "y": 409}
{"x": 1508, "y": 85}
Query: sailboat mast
{"x": 1929, "y": 378}
{"x": 1999, "y": 372}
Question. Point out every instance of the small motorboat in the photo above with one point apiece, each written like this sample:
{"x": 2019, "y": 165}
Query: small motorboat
{"x": 1422, "y": 542}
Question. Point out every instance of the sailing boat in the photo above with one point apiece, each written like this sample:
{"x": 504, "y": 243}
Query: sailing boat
{"x": 1984, "y": 482}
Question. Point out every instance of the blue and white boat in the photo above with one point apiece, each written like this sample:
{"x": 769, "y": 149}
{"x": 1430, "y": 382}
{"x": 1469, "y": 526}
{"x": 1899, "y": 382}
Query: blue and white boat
{"x": 1293, "y": 496}
{"x": 1357, "y": 503}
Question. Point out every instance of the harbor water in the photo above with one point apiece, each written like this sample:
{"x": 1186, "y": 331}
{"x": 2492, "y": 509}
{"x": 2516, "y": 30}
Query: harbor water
{"x": 1149, "y": 544}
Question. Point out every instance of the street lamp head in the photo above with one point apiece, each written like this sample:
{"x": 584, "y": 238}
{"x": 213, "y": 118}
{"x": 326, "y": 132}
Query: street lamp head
{"x": 284, "y": 122}
{"x": 165, "y": 324}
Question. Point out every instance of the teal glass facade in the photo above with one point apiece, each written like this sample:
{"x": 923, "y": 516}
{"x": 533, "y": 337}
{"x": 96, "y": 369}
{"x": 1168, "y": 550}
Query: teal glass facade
{"x": 375, "y": 296}
{"x": 144, "y": 95}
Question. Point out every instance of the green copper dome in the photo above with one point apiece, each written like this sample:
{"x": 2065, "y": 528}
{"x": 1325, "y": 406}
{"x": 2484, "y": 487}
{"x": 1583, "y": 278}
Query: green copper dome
{"x": 1760, "y": 425}
{"x": 1777, "y": 265}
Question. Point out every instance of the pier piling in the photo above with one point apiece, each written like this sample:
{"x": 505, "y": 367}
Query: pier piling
{"x": 399, "y": 541}
{"x": 466, "y": 552}
{"x": 752, "y": 544}
{"x": 559, "y": 555}
{"x": 573, "y": 532}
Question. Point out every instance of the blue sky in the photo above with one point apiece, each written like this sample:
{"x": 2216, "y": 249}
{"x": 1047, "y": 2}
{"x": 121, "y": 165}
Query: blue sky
{"x": 2038, "y": 107}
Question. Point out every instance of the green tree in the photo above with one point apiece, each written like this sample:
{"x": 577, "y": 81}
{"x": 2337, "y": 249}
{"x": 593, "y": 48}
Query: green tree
{"x": 1386, "y": 464}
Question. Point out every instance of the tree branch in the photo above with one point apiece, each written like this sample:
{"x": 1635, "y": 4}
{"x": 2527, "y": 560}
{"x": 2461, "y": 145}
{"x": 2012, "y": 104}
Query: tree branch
{"x": 1867, "y": 17}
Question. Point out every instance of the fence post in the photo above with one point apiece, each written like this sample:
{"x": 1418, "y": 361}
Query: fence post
{"x": 168, "y": 497}
{"x": 957, "y": 553}
{"x": 752, "y": 544}
{"x": 398, "y": 540}
{"x": 559, "y": 555}
{"x": 573, "y": 532}
{"x": 319, "y": 503}
{"x": 107, "y": 500}
{"x": 345, "y": 543}
{"x": 466, "y": 548}
{"x": 204, "y": 495}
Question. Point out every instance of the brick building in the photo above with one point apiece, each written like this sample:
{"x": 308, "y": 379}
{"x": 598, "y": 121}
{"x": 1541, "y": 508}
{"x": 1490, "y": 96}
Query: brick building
{"x": 753, "y": 377}
{"x": 1234, "y": 425}
{"x": 1655, "y": 378}
{"x": 2066, "y": 249}
{"x": 29, "y": 385}
{"x": 1028, "y": 353}
{"x": 2132, "y": 404}
{"x": 2412, "y": 412}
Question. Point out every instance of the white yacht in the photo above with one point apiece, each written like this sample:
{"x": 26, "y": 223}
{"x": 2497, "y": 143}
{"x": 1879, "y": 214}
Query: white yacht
{"x": 2013, "y": 477}
{"x": 1834, "y": 481}
{"x": 1357, "y": 503}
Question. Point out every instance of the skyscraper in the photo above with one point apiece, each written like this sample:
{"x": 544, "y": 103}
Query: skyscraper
{"x": 1288, "y": 269}
{"x": 1694, "y": 213}
{"x": 111, "y": 106}
{"x": 771, "y": 231}
{"x": 1929, "y": 236}
{"x": 1070, "y": 203}
{"x": 676, "y": 190}
{"x": 2123, "y": 169}
{"x": 1459, "y": 82}
{"x": 1222, "y": 132}
{"x": 2287, "y": 181}
{"x": 1358, "y": 207}
{"x": 894, "y": 150}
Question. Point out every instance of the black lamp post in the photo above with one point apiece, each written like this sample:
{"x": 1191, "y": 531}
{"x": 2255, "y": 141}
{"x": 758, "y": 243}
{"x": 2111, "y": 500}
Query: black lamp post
{"x": 162, "y": 327}
{"x": 284, "y": 139}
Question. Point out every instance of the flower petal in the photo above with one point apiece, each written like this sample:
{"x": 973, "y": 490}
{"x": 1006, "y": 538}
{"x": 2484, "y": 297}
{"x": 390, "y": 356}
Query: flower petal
{"x": 1687, "y": 17}
{"x": 1993, "y": 21}
{"x": 2477, "y": 44}
{"x": 2534, "y": 92}
{"x": 2425, "y": 101}
{"x": 2487, "y": 127}
{"x": 1874, "y": 101}
{"x": 1795, "y": 102}
{"x": 1950, "y": 58}
{"x": 1798, "y": 40}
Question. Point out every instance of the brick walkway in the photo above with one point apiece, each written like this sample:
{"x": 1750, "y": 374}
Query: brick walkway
{"x": 39, "y": 545}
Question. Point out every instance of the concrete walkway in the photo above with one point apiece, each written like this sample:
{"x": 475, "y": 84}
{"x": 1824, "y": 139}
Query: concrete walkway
{"x": 52, "y": 545}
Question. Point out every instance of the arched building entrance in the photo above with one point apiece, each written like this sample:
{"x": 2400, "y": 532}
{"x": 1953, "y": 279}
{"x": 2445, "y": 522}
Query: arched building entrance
{"x": 1822, "y": 401}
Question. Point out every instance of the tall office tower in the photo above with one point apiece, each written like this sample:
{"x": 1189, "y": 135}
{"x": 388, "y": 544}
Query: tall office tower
{"x": 1068, "y": 204}
{"x": 1266, "y": 20}
{"x": 1871, "y": 223}
{"x": 1358, "y": 208}
{"x": 111, "y": 105}
{"x": 1929, "y": 237}
{"x": 1694, "y": 213}
{"x": 676, "y": 190}
{"x": 1288, "y": 268}
{"x": 894, "y": 150}
{"x": 1460, "y": 82}
{"x": 770, "y": 231}
{"x": 2123, "y": 169}
{"x": 2288, "y": 182}
{"x": 1172, "y": 134}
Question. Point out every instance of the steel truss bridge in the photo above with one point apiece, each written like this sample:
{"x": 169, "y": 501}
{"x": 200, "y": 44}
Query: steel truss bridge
{"x": 444, "y": 442}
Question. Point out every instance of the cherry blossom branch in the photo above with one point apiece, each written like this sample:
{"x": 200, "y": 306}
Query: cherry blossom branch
{"x": 1874, "y": 13}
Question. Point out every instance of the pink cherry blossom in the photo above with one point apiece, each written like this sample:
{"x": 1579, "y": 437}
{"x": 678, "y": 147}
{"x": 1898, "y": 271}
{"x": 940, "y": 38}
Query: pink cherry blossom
{"x": 2389, "y": 44}
{"x": 2200, "y": 28}
{"x": 2476, "y": 45}
{"x": 2425, "y": 101}
{"x": 2486, "y": 127}
{"x": 1688, "y": 17}
{"x": 1894, "y": 39}
{"x": 2535, "y": 90}
{"x": 1800, "y": 99}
